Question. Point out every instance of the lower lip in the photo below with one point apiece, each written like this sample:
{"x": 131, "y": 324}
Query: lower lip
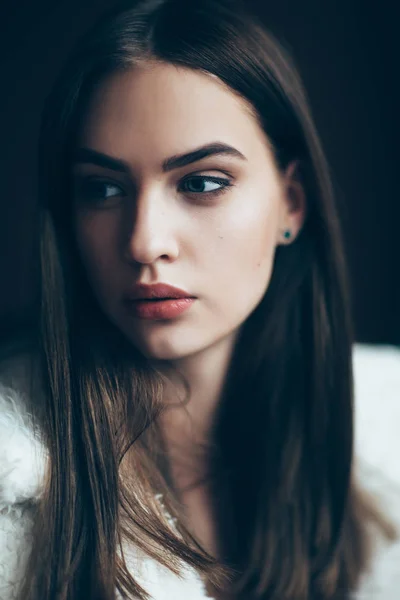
{"x": 159, "y": 309}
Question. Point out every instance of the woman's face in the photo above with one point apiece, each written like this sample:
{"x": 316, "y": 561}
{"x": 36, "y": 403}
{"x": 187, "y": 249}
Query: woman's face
{"x": 208, "y": 224}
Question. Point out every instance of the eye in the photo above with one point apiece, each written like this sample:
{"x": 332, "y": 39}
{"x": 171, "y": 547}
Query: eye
{"x": 93, "y": 190}
{"x": 200, "y": 184}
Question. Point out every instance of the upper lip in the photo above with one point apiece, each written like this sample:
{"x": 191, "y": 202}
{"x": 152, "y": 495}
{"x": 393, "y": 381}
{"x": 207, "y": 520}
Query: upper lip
{"x": 159, "y": 290}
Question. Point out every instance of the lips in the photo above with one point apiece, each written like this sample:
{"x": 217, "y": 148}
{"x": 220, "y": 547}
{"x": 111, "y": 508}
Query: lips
{"x": 159, "y": 310}
{"x": 157, "y": 302}
{"x": 159, "y": 291}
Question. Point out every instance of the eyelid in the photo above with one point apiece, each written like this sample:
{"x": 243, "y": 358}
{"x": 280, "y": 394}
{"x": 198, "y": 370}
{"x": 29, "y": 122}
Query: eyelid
{"x": 95, "y": 177}
{"x": 82, "y": 178}
{"x": 207, "y": 177}
{"x": 79, "y": 174}
{"x": 225, "y": 184}
{"x": 226, "y": 181}
{"x": 81, "y": 189}
{"x": 206, "y": 172}
{"x": 79, "y": 178}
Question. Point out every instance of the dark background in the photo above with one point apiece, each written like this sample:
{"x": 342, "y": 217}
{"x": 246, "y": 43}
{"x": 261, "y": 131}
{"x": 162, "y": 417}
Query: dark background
{"x": 347, "y": 54}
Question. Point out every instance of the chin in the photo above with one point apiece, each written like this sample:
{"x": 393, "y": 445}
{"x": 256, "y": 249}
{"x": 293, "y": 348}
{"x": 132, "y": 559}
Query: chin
{"x": 163, "y": 345}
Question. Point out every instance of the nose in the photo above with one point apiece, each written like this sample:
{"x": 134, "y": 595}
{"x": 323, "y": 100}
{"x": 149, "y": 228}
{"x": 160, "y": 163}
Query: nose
{"x": 150, "y": 233}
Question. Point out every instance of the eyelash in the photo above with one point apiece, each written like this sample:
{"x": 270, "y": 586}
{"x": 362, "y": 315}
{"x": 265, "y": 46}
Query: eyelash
{"x": 86, "y": 185}
{"x": 224, "y": 183}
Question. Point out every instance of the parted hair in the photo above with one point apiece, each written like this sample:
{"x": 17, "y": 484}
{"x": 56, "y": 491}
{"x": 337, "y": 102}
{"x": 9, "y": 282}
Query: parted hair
{"x": 292, "y": 523}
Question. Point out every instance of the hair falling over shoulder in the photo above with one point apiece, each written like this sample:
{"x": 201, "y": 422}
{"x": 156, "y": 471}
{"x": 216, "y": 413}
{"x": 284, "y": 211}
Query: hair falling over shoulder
{"x": 297, "y": 525}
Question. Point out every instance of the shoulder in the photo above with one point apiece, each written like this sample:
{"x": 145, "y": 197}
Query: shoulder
{"x": 381, "y": 581}
{"x": 22, "y": 453}
{"x": 15, "y": 545}
{"x": 377, "y": 407}
{"x": 377, "y": 448}
{"x": 22, "y": 465}
{"x": 159, "y": 581}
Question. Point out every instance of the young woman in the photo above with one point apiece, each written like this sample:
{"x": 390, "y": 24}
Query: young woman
{"x": 191, "y": 402}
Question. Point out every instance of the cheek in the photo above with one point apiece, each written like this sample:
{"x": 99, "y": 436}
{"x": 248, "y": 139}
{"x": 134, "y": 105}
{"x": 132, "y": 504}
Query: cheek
{"x": 243, "y": 260}
{"x": 96, "y": 241}
{"x": 247, "y": 241}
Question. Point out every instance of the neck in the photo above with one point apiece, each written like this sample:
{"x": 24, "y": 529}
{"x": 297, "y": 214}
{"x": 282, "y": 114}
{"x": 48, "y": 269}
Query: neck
{"x": 187, "y": 429}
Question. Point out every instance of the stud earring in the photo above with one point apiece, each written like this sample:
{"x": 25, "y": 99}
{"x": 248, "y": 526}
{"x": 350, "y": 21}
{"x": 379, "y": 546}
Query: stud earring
{"x": 287, "y": 234}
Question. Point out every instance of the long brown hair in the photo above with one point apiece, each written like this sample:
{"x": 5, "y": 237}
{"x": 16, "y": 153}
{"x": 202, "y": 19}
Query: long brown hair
{"x": 284, "y": 433}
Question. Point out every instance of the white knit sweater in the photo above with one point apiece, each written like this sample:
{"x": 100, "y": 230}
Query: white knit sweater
{"x": 23, "y": 459}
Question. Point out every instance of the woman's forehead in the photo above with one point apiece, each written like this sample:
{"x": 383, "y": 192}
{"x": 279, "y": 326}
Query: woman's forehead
{"x": 164, "y": 110}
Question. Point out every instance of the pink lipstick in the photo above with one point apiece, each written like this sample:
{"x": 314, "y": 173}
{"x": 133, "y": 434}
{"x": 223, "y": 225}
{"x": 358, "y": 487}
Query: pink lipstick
{"x": 158, "y": 301}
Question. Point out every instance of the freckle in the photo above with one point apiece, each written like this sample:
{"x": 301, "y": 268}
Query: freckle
{"x": 221, "y": 237}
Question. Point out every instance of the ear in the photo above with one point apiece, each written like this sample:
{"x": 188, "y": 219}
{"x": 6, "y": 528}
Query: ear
{"x": 294, "y": 206}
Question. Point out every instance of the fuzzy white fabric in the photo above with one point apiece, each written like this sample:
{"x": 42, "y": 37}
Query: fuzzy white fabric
{"x": 23, "y": 461}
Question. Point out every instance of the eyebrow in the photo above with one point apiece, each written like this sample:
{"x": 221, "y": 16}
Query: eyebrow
{"x": 89, "y": 156}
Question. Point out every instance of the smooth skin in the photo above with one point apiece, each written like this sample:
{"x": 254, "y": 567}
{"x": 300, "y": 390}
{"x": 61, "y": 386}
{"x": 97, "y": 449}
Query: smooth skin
{"x": 210, "y": 227}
